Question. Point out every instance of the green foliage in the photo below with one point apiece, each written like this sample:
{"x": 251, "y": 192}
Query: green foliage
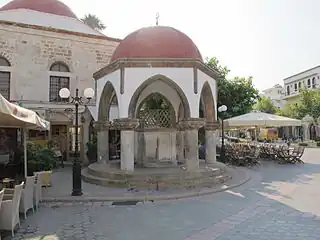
{"x": 93, "y": 21}
{"x": 155, "y": 101}
{"x": 265, "y": 105}
{"x": 309, "y": 104}
{"x": 318, "y": 144}
{"x": 302, "y": 144}
{"x": 238, "y": 94}
{"x": 40, "y": 158}
{"x": 290, "y": 111}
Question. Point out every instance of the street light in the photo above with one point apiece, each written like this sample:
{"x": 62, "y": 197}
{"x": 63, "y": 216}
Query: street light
{"x": 76, "y": 166}
{"x": 222, "y": 109}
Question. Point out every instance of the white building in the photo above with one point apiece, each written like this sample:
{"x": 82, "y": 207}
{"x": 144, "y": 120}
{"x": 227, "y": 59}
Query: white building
{"x": 276, "y": 94}
{"x": 43, "y": 48}
{"x": 152, "y": 64}
{"x": 309, "y": 78}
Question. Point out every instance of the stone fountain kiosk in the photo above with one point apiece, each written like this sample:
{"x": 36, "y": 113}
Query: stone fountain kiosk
{"x": 159, "y": 142}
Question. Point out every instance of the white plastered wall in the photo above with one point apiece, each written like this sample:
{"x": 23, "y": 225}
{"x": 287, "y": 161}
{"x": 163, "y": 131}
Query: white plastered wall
{"x": 134, "y": 77}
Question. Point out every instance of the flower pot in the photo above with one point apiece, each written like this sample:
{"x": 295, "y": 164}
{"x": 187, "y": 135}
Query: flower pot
{"x": 46, "y": 178}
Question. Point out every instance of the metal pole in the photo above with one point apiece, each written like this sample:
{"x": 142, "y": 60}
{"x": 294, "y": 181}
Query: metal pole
{"x": 222, "y": 143}
{"x": 25, "y": 132}
{"x": 76, "y": 167}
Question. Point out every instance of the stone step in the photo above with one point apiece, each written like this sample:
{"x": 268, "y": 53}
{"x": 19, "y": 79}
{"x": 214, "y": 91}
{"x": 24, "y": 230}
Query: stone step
{"x": 160, "y": 176}
{"x": 191, "y": 183}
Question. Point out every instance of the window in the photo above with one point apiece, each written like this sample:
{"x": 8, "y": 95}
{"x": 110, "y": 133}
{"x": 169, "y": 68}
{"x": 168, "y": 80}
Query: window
{"x": 5, "y": 79}
{"x": 58, "y": 82}
{"x": 309, "y": 83}
{"x": 299, "y": 85}
{"x": 295, "y": 87}
{"x": 288, "y": 90}
{"x": 313, "y": 82}
{"x": 59, "y": 67}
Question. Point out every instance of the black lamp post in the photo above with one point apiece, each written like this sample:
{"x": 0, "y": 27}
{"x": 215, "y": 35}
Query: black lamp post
{"x": 76, "y": 166}
{"x": 222, "y": 109}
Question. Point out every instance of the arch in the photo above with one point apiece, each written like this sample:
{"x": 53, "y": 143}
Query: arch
{"x": 180, "y": 112}
{"x": 107, "y": 96}
{"x": 4, "y": 62}
{"x": 159, "y": 77}
{"x": 59, "y": 67}
{"x": 207, "y": 100}
{"x": 171, "y": 108}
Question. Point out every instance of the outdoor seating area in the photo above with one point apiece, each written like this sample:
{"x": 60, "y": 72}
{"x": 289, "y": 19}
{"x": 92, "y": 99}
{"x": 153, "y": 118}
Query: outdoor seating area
{"x": 17, "y": 200}
{"x": 250, "y": 154}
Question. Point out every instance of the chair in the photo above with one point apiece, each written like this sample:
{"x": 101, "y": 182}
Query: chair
{"x": 9, "y": 212}
{"x": 37, "y": 193}
{"x": 26, "y": 201}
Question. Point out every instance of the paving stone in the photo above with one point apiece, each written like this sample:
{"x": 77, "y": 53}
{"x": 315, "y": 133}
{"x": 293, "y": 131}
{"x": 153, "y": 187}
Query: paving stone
{"x": 245, "y": 215}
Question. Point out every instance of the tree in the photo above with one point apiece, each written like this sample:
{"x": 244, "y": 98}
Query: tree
{"x": 290, "y": 111}
{"x": 309, "y": 104}
{"x": 93, "y": 21}
{"x": 265, "y": 105}
{"x": 238, "y": 94}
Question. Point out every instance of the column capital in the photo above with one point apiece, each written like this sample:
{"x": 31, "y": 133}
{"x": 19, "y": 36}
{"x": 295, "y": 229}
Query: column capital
{"x": 126, "y": 123}
{"x": 191, "y": 124}
{"x": 212, "y": 125}
{"x": 102, "y": 125}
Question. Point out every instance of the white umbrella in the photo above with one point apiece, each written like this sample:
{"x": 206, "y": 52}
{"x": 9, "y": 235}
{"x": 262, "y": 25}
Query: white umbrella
{"x": 15, "y": 116}
{"x": 261, "y": 119}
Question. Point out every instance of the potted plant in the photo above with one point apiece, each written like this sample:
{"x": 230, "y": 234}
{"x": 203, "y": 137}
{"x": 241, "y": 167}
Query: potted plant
{"x": 92, "y": 149}
{"x": 41, "y": 159}
{"x": 46, "y": 159}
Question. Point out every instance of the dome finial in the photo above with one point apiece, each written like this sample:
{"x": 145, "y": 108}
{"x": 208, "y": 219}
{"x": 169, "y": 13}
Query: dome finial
{"x": 157, "y": 19}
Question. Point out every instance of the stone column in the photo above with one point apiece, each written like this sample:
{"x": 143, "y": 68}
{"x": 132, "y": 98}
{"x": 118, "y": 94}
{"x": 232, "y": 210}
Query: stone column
{"x": 180, "y": 145}
{"x": 141, "y": 154}
{"x": 103, "y": 141}
{"x": 211, "y": 141}
{"x": 127, "y": 127}
{"x": 191, "y": 127}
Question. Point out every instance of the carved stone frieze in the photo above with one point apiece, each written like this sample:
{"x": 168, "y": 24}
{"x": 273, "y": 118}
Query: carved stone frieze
{"x": 102, "y": 126}
{"x": 191, "y": 124}
{"x": 126, "y": 123}
{"x": 214, "y": 125}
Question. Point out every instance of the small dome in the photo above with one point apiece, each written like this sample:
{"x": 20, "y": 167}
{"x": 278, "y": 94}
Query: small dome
{"x": 47, "y": 6}
{"x": 156, "y": 43}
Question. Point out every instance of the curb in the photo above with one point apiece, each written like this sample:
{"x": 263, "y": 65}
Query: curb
{"x": 147, "y": 198}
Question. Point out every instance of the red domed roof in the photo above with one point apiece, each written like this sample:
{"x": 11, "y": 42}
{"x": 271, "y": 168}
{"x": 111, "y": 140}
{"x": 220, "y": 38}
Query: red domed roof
{"x": 47, "y": 6}
{"x": 157, "y": 42}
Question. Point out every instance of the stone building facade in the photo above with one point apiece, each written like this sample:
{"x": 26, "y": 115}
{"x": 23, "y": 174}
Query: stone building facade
{"x": 42, "y": 51}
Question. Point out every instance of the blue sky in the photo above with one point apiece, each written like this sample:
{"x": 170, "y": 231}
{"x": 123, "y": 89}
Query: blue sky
{"x": 266, "y": 39}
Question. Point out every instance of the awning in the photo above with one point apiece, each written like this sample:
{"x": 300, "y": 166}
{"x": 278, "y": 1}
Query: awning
{"x": 261, "y": 119}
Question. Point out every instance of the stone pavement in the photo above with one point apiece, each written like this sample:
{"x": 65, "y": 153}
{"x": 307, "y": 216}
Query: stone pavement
{"x": 279, "y": 202}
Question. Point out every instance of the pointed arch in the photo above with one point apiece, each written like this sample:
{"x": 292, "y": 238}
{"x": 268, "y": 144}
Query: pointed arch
{"x": 108, "y": 96}
{"x": 171, "y": 108}
{"x": 207, "y": 100}
{"x": 159, "y": 77}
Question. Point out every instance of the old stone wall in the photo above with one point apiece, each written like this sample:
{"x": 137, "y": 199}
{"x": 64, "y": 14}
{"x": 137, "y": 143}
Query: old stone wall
{"x": 32, "y": 51}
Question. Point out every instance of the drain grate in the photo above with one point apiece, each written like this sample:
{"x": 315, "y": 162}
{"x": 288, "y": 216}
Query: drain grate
{"x": 125, "y": 203}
